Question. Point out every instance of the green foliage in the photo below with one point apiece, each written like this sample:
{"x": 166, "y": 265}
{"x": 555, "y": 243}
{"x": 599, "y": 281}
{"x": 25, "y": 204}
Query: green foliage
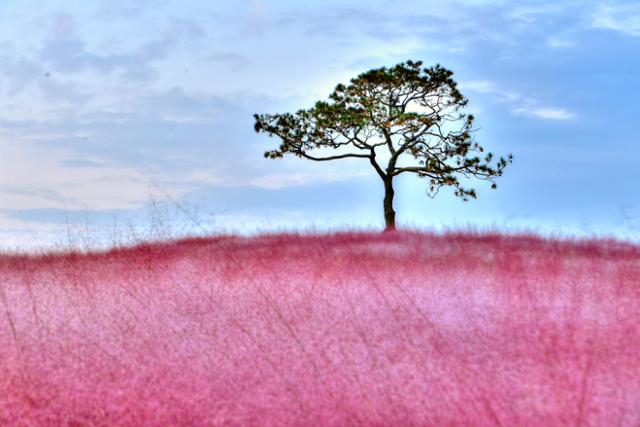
{"x": 410, "y": 112}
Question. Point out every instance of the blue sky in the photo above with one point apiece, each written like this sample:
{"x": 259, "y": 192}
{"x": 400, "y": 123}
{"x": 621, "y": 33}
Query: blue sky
{"x": 122, "y": 120}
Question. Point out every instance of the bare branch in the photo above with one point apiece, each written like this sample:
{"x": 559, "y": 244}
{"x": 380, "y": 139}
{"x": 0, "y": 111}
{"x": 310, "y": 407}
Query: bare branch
{"x": 422, "y": 169}
{"x": 376, "y": 166}
{"x": 342, "y": 156}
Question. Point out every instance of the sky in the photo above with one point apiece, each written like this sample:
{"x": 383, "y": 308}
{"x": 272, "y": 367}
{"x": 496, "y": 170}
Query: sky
{"x": 123, "y": 121}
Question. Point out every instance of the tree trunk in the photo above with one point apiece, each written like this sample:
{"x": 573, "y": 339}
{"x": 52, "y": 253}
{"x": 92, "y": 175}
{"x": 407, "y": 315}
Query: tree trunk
{"x": 389, "y": 213}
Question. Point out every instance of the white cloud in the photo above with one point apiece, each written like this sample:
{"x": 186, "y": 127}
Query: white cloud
{"x": 624, "y": 18}
{"x": 480, "y": 86}
{"x": 532, "y": 13}
{"x": 546, "y": 113}
{"x": 39, "y": 179}
{"x": 278, "y": 180}
{"x": 519, "y": 105}
{"x": 559, "y": 42}
{"x": 486, "y": 87}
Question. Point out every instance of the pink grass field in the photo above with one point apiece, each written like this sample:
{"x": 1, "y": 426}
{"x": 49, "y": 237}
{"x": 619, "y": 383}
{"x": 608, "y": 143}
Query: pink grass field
{"x": 375, "y": 329}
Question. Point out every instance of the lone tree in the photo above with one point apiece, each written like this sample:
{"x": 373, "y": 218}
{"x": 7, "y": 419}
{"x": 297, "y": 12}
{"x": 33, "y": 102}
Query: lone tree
{"x": 410, "y": 117}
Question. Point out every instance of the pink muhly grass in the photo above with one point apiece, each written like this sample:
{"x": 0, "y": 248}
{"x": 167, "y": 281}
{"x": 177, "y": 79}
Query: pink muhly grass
{"x": 340, "y": 329}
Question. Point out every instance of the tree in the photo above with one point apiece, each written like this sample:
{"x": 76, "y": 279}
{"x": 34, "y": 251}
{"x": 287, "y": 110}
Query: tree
{"x": 410, "y": 117}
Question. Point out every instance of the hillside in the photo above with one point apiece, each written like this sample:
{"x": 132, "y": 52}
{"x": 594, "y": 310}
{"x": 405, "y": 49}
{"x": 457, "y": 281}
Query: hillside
{"x": 343, "y": 329}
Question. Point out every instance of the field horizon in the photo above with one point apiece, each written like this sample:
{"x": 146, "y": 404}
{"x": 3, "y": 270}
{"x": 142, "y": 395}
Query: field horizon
{"x": 338, "y": 328}
{"x": 82, "y": 243}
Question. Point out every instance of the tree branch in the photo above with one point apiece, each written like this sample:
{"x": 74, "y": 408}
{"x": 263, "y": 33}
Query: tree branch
{"x": 422, "y": 169}
{"x": 387, "y": 138}
{"x": 341, "y": 156}
{"x": 376, "y": 166}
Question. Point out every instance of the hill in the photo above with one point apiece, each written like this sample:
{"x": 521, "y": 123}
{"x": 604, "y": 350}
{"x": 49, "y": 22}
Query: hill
{"x": 339, "y": 329}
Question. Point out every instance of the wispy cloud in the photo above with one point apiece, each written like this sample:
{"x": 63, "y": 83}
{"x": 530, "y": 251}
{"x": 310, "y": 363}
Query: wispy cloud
{"x": 624, "y": 18}
{"x": 558, "y": 42}
{"x": 174, "y": 139}
{"x": 65, "y": 51}
{"x": 231, "y": 59}
{"x": 518, "y": 104}
{"x": 490, "y": 88}
{"x": 545, "y": 113}
{"x": 124, "y": 9}
{"x": 280, "y": 180}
